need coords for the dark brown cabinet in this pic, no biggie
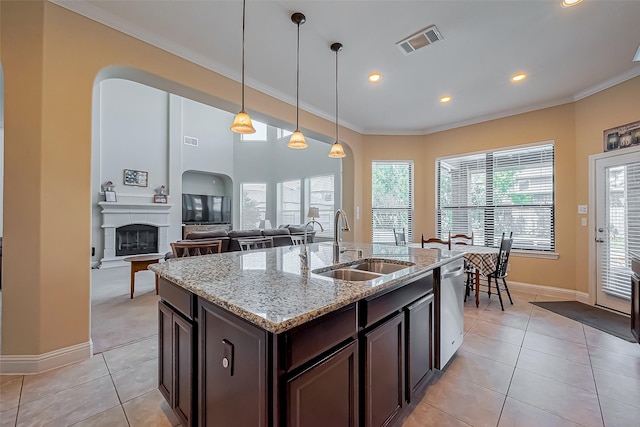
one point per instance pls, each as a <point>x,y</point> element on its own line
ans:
<point>326,394</point>
<point>233,370</point>
<point>635,299</point>
<point>176,364</point>
<point>384,372</point>
<point>419,336</point>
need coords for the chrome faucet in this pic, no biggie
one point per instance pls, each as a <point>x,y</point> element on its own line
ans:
<point>304,255</point>
<point>336,233</point>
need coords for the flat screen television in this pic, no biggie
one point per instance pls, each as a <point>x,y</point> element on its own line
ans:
<point>205,209</point>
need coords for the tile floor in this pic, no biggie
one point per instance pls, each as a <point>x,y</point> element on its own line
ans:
<point>522,367</point>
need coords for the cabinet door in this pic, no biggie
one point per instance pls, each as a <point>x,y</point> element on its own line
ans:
<point>384,372</point>
<point>326,394</point>
<point>233,372</point>
<point>165,351</point>
<point>183,370</point>
<point>419,342</point>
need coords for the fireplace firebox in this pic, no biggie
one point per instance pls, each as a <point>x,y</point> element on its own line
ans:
<point>136,239</point>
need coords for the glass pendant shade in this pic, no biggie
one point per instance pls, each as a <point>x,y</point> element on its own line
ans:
<point>297,140</point>
<point>242,124</point>
<point>337,151</point>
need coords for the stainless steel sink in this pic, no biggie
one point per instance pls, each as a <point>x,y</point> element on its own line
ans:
<point>381,266</point>
<point>349,274</point>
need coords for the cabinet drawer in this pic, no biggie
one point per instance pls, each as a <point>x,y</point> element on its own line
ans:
<point>311,339</point>
<point>180,299</point>
<point>380,306</point>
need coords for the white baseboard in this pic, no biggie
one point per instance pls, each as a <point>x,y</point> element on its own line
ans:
<point>549,291</point>
<point>35,364</point>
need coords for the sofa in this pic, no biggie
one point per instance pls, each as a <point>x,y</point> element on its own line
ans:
<point>280,235</point>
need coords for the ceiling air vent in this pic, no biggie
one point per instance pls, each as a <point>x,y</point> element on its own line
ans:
<point>189,140</point>
<point>419,40</point>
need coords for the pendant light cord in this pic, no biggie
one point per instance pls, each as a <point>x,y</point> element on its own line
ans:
<point>337,140</point>
<point>298,81</point>
<point>244,3</point>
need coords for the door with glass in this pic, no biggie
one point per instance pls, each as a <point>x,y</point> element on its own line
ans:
<point>617,227</point>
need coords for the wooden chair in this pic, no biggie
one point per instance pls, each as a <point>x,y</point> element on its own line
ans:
<point>297,240</point>
<point>461,239</point>
<point>255,243</point>
<point>400,236</point>
<point>501,269</point>
<point>182,249</point>
<point>446,243</point>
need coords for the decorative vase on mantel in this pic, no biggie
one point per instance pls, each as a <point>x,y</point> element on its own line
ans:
<point>109,186</point>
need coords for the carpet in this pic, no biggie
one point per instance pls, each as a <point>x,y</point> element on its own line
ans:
<point>606,321</point>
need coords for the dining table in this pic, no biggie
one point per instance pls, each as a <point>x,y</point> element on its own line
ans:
<point>481,260</point>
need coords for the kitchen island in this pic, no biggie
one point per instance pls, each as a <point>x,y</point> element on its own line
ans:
<point>251,339</point>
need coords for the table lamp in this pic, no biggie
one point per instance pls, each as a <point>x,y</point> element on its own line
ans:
<point>265,224</point>
<point>313,213</point>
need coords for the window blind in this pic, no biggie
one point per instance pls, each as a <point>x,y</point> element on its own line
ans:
<point>392,200</point>
<point>289,196</point>
<point>501,191</point>
<point>254,204</point>
<point>319,193</point>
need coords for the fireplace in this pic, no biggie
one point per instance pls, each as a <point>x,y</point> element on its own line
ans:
<point>136,239</point>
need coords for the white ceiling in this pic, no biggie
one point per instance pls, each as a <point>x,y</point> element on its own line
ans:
<point>568,53</point>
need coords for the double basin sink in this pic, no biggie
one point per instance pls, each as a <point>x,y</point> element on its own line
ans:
<point>363,269</point>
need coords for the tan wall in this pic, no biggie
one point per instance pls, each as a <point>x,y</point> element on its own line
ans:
<point>51,58</point>
<point>613,107</point>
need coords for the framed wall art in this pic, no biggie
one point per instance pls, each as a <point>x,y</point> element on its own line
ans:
<point>137,178</point>
<point>622,136</point>
<point>159,198</point>
<point>110,196</point>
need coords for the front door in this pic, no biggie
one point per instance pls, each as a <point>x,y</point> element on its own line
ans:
<point>617,227</point>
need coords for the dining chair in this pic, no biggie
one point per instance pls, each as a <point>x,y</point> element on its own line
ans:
<point>182,249</point>
<point>297,240</point>
<point>399,235</point>
<point>255,243</point>
<point>461,239</point>
<point>501,270</point>
<point>432,240</point>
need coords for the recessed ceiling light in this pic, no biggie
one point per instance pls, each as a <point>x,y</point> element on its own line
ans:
<point>375,77</point>
<point>445,99</point>
<point>518,77</point>
<point>569,3</point>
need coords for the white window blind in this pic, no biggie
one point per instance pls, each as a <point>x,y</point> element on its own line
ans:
<point>392,200</point>
<point>253,206</point>
<point>622,216</point>
<point>289,195</point>
<point>496,192</point>
<point>319,193</point>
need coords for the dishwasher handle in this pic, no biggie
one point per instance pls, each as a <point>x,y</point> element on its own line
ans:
<point>453,273</point>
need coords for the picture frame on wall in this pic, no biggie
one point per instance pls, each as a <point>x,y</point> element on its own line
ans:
<point>136,178</point>
<point>622,136</point>
<point>159,198</point>
<point>110,196</point>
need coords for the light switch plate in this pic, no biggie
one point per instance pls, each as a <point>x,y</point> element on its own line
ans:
<point>583,222</point>
<point>582,209</point>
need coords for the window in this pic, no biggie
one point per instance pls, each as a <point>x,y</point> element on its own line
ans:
<point>260,134</point>
<point>282,133</point>
<point>253,206</point>
<point>319,193</point>
<point>392,200</point>
<point>289,194</point>
<point>496,192</point>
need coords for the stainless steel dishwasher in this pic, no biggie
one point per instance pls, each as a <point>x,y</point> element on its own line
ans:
<point>451,304</point>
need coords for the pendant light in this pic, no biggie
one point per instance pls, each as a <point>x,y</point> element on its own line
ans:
<point>242,123</point>
<point>337,151</point>
<point>297,140</point>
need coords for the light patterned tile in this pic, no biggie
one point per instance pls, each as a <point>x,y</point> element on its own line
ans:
<point>492,349</point>
<point>466,401</point>
<point>557,368</point>
<point>618,414</point>
<point>516,413</point>
<point>506,318</point>
<point>482,371</point>
<point>5,378</point>
<point>552,329</point>
<point>50,382</point>
<point>10,393</point>
<point>618,363</point>
<point>618,387</point>
<point>71,405</point>
<point>136,380</point>
<point>498,332</point>
<point>8,417</point>
<point>113,417</point>
<point>150,409</point>
<point>425,415</point>
<point>132,354</point>
<point>597,338</point>
<point>556,347</point>
<point>574,404</point>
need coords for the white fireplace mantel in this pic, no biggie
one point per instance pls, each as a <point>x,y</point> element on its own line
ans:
<point>116,215</point>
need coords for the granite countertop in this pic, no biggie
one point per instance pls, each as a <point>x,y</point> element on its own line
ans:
<point>267,288</point>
